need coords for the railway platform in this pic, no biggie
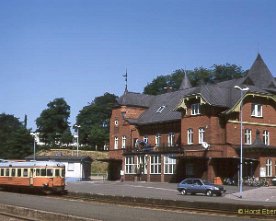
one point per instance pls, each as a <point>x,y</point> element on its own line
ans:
<point>257,202</point>
<point>251,195</point>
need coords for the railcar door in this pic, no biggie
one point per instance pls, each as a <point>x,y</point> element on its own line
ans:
<point>31,177</point>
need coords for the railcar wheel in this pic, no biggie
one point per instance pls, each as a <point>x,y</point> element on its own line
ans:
<point>47,192</point>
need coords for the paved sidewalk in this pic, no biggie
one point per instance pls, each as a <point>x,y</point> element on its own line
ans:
<point>261,194</point>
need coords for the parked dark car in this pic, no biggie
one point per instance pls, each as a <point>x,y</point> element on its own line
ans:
<point>196,185</point>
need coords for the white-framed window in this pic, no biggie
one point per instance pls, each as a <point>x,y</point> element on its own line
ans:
<point>190,136</point>
<point>158,140</point>
<point>155,164</point>
<point>266,137</point>
<point>123,142</point>
<point>170,139</point>
<point>142,164</point>
<point>116,123</point>
<point>116,143</point>
<point>248,136</point>
<point>201,135</point>
<point>268,167</point>
<point>146,139</point>
<point>169,164</point>
<point>256,110</point>
<point>195,109</point>
<point>160,109</point>
<point>129,165</point>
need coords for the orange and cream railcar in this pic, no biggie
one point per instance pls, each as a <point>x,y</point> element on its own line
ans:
<point>45,176</point>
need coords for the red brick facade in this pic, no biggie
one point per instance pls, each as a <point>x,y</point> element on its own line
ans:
<point>177,156</point>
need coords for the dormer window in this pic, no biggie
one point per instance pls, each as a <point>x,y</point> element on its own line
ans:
<point>195,109</point>
<point>256,110</point>
<point>160,109</point>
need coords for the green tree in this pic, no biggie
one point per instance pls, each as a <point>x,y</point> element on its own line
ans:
<point>157,86</point>
<point>163,84</point>
<point>198,76</point>
<point>227,72</point>
<point>66,137</point>
<point>94,121</point>
<point>15,140</point>
<point>53,125</point>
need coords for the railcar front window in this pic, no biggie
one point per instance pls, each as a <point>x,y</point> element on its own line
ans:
<point>57,171</point>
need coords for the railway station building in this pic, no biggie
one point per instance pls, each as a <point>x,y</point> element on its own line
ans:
<point>196,131</point>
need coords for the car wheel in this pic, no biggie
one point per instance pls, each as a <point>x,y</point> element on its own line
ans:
<point>183,192</point>
<point>209,193</point>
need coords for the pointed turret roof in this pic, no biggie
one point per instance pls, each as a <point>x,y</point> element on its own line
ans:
<point>259,75</point>
<point>185,84</point>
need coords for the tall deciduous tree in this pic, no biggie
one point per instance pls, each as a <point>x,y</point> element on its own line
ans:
<point>227,72</point>
<point>15,140</point>
<point>94,121</point>
<point>198,76</point>
<point>53,125</point>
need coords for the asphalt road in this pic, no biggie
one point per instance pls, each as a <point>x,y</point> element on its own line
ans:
<point>106,212</point>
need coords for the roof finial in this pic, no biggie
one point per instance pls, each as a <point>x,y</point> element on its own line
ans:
<point>125,76</point>
<point>185,84</point>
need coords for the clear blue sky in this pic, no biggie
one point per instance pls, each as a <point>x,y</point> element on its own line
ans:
<point>80,49</point>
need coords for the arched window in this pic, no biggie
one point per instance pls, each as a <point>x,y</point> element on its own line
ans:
<point>171,139</point>
<point>266,137</point>
<point>158,140</point>
<point>248,136</point>
<point>116,143</point>
<point>123,142</point>
<point>268,167</point>
<point>190,136</point>
<point>201,135</point>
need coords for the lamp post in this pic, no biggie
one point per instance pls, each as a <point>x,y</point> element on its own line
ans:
<point>242,90</point>
<point>33,135</point>
<point>77,126</point>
